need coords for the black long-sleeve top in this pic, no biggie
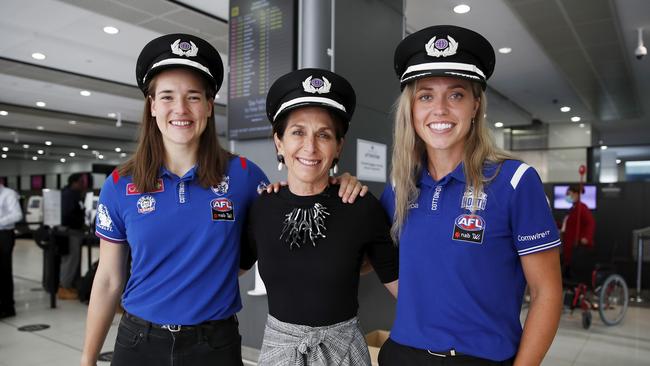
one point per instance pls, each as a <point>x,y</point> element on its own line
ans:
<point>318,285</point>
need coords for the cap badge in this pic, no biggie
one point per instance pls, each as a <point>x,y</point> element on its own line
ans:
<point>184,48</point>
<point>441,47</point>
<point>316,85</point>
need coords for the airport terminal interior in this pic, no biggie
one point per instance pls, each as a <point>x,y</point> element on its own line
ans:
<point>570,96</point>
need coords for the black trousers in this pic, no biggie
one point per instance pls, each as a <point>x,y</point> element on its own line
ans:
<point>213,343</point>
<point>395,354</point>
<point>7,241</point>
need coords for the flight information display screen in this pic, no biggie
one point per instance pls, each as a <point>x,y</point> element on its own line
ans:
<point>262,48</point>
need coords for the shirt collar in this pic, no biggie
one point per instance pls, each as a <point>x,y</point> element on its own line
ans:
<point>190,175</point>
<point>425,178</point>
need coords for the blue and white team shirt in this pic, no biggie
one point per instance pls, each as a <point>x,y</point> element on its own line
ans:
<point>184,241</point>
<point>461,282</point>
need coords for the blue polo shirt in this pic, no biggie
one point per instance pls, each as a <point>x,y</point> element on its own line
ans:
<point>461,280</point>
<point>184,241</point>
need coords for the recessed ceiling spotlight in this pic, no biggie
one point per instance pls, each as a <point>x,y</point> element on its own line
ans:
<point>565,109</point>
<point>34,158</point>
<point>112,115</point>
<point>40,152</point>
<point>3,113</point>
<point>117,149</point>
<point>123,155</point>
<point>111,30</point>
<point>25,146</point>
<point>461,9</point>
<point>604,147</point>
<point>100,156</point>
<point>48,143</point>
<point>4,156</point>
<point>498,124</point>
<point>38,56</point>
<point>72,154</point>
<point>618,161</point>
<point>5,149</point>
<point>85,93</point>
<point>40,128</point>
<point>582,125</point>
<point>72,122</point>
<point>62,160</point>
<point>40,104</point>
<point>84,146</point>
<point>575,119</point>
<point>588,132</point>
<point>505,50</point>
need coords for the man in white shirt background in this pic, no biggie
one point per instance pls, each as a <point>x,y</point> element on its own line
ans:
<point>10,213</point>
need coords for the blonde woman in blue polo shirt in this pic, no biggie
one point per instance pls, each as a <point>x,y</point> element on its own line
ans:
<point>472,223</point>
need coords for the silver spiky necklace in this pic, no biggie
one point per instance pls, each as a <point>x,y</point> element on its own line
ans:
<point>303,225</point>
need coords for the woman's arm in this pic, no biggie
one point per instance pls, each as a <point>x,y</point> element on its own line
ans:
<point>350,188</point>
<point>105,295</point>
<point>392,287</point>
<point>542,271</point>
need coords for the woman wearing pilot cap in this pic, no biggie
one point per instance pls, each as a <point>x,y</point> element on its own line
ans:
<point>472,223</point>
<point>309,244</point>
<point>177,205</point>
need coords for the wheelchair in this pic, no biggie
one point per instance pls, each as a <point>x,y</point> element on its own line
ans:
<point>604,291</point>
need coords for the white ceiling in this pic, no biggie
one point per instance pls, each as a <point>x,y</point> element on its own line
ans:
<point>565,52</point>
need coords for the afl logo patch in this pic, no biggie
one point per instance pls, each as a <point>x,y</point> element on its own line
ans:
<point>146,204</point>
<point>222,209</point>
<point>469,228</point>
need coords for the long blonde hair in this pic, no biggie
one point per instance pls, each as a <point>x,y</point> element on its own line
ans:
<point>409,151</point>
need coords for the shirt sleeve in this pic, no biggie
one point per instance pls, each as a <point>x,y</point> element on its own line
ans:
<point>588,225</point>
<point>13,211</point>
<point>109,223</point>
<point>533,227</point>
<point>247,245</point>
<point>383,254</point>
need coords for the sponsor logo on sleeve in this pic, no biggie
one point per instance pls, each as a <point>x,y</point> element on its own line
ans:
<point>262,186</point>
<point>222,209</point>
<point>533,237</point>
<point>131,189</point>
<point>469,228</point>
<point>146,204</point>
<point>103,220</point>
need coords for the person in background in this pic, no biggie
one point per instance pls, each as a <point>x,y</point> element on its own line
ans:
<point>472,223</point>
<point>10,214</point>
<point>72,218</point>
<point>310,245</point>
<point>578,227</point>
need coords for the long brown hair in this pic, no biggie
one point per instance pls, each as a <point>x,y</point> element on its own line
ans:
<point>144,165</point>
<point>409,149</point>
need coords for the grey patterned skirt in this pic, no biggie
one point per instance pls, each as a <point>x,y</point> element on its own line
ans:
<point>286,344</point>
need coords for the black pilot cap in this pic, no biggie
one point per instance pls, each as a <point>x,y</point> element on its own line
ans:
<point>311,87</point>
<point>444,50</point>
<point>178,50</point>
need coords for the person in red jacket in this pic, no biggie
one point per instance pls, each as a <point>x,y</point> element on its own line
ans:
<point>578,226</point>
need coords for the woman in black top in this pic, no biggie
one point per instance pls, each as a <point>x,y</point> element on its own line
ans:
<point>309,244</point>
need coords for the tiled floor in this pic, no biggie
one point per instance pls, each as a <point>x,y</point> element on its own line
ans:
<point>627,344</point>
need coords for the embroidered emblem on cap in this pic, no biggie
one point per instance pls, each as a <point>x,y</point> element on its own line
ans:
<point>221,188</point>
<point>146,204</point>
<point>441,47</point>
<point>316,85</point>
<point>104,221</point>
<point>184,48</point>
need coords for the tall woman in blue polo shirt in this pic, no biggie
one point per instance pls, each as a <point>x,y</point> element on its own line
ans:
<point>473,224</point>
<point>178,205</point>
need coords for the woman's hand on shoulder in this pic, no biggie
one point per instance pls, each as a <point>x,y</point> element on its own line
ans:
<point>350,188</point>
<point>274,187</point>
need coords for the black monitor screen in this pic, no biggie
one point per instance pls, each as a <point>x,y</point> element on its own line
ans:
<point>560,202</point>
